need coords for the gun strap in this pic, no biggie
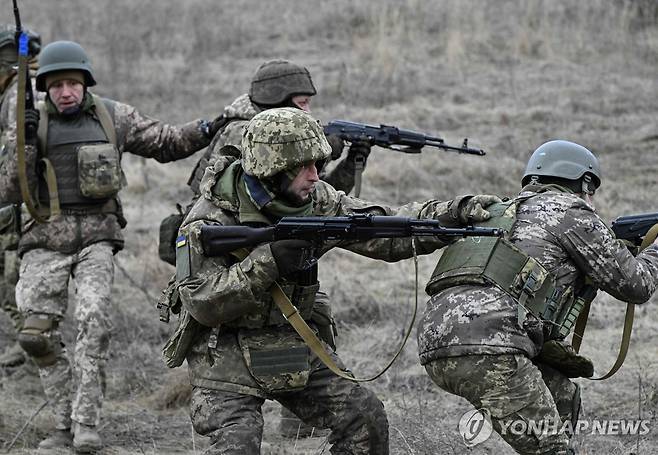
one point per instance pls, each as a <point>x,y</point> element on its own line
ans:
<point>359,166</point>
<point>291,314</point>
<point>20,141</point>
<point>579,331</point>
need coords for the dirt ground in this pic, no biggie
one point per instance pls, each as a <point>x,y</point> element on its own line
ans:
<point>509,75</point>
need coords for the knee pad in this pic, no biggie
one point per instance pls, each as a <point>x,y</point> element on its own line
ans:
<point>35,339</point>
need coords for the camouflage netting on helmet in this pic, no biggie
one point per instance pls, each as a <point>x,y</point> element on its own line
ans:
<point>282,139</point>
<point>277,80</point>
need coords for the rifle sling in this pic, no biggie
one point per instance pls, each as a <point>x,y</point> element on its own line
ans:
<point>303,330</point>
<point>579,331</point>
<point>359,166</point>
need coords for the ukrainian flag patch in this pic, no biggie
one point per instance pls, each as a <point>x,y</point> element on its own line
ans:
<point>181,240</point>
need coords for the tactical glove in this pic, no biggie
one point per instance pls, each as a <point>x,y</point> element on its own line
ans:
<point>359,149</point>
<point>562,356</point>
<point>31,126</point>
<point>337,145</point>
<point>472,209</point>
<point>291,255</point>
<point>209,129</point>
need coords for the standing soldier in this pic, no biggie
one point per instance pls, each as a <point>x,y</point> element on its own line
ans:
<point>239,348</point>
<point>500,310</point>
<point>10,213</point>
<point>81,137</point>
<point>278,83</point>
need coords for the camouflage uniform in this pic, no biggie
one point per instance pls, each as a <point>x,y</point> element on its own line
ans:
<point>81,245</point>
<point>470,339</point>
<point>229,320</point>
<point>228,142</point>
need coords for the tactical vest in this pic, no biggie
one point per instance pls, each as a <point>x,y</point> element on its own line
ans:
<point>496,261</point>
<point>61,141</point>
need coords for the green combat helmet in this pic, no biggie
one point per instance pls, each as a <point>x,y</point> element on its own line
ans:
<point>60,56</point>
<point>563,160</point>
<point>281,139</point>
<point>277,80</point>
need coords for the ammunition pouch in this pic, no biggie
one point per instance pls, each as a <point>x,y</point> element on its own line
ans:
<point>99,170</point>
<point>35,339</point>
<point>562,357</point>
<point>177,346</point>
<point>277,359</point>
<point>168,233</point>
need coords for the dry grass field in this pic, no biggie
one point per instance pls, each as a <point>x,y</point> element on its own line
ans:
<point>507,74</point>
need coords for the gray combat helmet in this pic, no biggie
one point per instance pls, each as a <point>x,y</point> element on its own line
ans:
<point>276,81</point>
<point>282,139</point>
<point>62,56</point>
<point>564,160</point>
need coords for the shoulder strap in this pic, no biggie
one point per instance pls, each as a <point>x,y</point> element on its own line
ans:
<point>105,119</point>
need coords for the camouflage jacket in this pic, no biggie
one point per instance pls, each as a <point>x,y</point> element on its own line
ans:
<point>233,295</point>
<point>228,142</point>
<point>136,133</point>
<point>570,240</point>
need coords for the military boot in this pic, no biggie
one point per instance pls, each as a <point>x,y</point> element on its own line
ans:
<point>58,440</point>
<point>12,356</point>
<point>86,438</point>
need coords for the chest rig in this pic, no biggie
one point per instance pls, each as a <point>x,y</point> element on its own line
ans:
<point>82,164</point>
<point>486,261</point>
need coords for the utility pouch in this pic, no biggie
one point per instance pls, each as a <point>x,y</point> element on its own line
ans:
<point>168,233</point>
<point>278,359</point>
<point>561,356</point>
<point>99,171</point>
<point>303,297</point>
<point>177,346</point>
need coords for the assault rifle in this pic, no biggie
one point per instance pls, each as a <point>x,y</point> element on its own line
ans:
<point>220,240</point>
<point>393,138</point>
<point>634,227</point>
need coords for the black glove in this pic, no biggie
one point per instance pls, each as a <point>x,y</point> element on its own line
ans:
<point>31,126</point>
<point>291,255</point>
<point>337,144</point>
<point>359,149</point>
<point>211,128</point>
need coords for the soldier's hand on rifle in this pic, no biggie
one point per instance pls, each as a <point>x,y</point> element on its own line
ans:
<point>337,144</point>
<point>31,126</point>
<point>291,255</point>
<point>359,149</point>
<point>473,209</point>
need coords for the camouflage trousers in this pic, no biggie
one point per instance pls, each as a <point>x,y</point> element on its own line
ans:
<point>74,390</point>
<point>511,388</point>
<point>354,414</point>
<point>8,277</point>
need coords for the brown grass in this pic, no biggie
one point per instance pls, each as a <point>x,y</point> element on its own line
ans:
<point>509,75</point>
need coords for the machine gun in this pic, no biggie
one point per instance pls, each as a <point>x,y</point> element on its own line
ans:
<point>634,228</point>
<point>219,240</point>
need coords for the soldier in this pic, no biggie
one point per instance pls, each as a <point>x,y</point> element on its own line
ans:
<point>494,328</point>
<point>278,83</point>
<point>239,348</point>
<point>10,213</point>
<point>82,136</point>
